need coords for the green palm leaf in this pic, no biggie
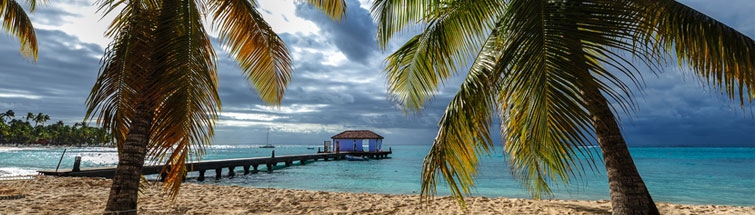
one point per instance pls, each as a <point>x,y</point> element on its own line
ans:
<point>552,67</point>
<point>717,53</point>
<point>417,69</point>
<point>464,128</point>
<point>395,15</point>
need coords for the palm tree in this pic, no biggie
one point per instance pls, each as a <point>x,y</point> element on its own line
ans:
<point>548,70</point>
<point>41,118</point>
<point>17,23</point>
<point>157,88</point>
<point>7,115</point>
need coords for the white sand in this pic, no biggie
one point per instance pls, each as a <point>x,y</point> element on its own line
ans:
<point>51,195</point>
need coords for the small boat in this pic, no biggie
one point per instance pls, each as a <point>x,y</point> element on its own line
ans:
<point>267,141</point>
<point>356,158</point>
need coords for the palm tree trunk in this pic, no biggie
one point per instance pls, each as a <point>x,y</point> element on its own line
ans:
<point>629,195</point>
<point>125,189</point>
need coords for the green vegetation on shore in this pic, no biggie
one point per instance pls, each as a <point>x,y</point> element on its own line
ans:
<point>31,129</point>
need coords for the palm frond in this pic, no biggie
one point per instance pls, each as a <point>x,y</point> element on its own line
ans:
<point>187,90</point>
<point>463,131</point>
<point>562,49</point>
<point>394,15</point>
<point>125,67</point>
<point>335,9</point>
<point>18,24</point>
<point>717,53</point>
<point>262,55</point>
<point>417,69</point>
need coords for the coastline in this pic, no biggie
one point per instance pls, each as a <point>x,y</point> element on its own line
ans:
<point>53,195</point>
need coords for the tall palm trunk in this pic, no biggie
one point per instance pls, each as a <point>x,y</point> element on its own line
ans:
<point>629,195</point>
<point>125,189</point>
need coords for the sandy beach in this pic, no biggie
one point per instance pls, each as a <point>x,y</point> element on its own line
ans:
<point>52,195</point>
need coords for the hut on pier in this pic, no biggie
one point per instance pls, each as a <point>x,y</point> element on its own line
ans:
<point>356,140</point>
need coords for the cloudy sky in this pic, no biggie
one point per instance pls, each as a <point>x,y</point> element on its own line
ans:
<point>338,84</point>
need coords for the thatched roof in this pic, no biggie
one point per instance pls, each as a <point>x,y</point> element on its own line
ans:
<point>357,134</point>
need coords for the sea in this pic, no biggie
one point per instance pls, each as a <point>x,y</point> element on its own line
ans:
<point>691,175</point>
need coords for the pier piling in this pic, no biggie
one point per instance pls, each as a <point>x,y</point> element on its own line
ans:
<point>77,164</point>
<point>201,175</point>
<point>231,172</point>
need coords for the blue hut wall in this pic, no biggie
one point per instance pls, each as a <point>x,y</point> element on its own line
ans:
<point>348,144</point>
<point>375,145</point>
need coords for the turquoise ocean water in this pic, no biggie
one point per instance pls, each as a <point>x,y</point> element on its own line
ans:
<point>724,176</point>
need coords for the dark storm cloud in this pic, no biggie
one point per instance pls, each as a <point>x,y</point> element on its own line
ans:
<point>354,35</point>
<point>676,109</point>
<point>57,84</point>
<point>346,95</point>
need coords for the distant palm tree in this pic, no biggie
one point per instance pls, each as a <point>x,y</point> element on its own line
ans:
<point>549,69</point>
<point>41,118</point>
<point>30,116</point>
<point>7,115</point>
<point>17,23</point>
<point>157,87</point>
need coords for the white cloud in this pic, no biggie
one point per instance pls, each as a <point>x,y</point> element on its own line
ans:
<point>82,21</point>
<point>250,116</point>
<point>9,93</point>
<point>280,15</point>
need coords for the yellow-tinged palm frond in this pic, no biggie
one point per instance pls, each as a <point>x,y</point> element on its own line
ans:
<point>125,70</point>
<point>187,90</point>
<point>393,16</point>
<point>719,54</point>
<point>453,34</point>
<point>463,131</point>
<point>335,9</point>
<point>262,55</point>
<point>18,24</point>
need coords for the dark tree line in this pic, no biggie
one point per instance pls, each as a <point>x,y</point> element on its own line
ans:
<point>31,129</point>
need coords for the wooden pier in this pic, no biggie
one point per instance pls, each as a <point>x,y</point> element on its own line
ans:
<point>250,165</point>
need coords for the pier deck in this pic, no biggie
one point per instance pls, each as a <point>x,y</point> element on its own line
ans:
<point>250,165</point>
